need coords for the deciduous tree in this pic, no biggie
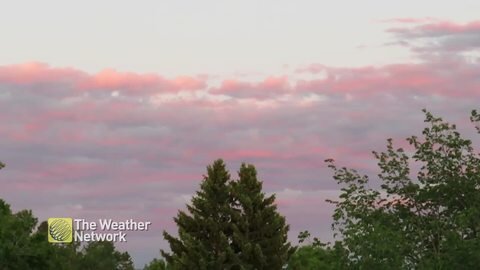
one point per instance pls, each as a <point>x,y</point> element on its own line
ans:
<point>424,210</point>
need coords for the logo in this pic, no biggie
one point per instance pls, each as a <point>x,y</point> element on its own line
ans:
<point>60,230</point>
<point>68,230</point>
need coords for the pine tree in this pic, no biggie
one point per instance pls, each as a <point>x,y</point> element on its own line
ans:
<point>204,233</point>
<point>229,225</point>
<point>260,232</point>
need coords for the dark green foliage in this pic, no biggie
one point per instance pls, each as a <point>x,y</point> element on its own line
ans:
<point>55,256</point>
<point>103,256</point>
<point>430,221</point>
<point>316,255</point>
<point>260,232</point>
<point>230,225</point>
<point>23,247</point>
<point>205,233</point>
<point>16,249</point>
<point>313,257</point>
<point>157,264</point>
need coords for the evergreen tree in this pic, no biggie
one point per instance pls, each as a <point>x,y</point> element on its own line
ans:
<point>260,232</point>
<point>229,225</point>
<point>204,233</point>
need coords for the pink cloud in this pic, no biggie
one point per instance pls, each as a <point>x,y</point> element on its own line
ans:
<point>447,28</point>
<point>268,88</point>
<point>401,80</point>
<point>140,84</point>
<point>438,36</point>
<point>72,147</point>
<point>128,83</point>
<point>36,73</point>
<point>246,154</point>
<point>113,80</point>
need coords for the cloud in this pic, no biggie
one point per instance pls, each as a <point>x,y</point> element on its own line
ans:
<point>441,78</point>
<point>74,148</point>
<point>430,35</point>
<point>270,87</point>
<point>125,83</point>
<point>426,28</point>
<point>129,83</point>
<point>38,73</point>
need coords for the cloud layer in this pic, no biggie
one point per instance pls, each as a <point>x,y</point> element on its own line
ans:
<point>121,145</point>
<point>433,36</point>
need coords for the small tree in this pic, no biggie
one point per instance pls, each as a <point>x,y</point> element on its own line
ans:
<point>431,221</point>
<point>260,232</point>
<point>204,233</point>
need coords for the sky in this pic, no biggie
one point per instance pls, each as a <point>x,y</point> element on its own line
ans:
<point>113,109</point>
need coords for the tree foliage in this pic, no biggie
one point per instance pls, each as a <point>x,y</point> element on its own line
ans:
<point>25,246</point>
<point>259,231</point>
<point>157,264</point>
<point>426,212</point>
<point>16,247</point>
<point>229,225</point>
<point>103,256</point>
<point>314,254</point>
<point>205,232</point>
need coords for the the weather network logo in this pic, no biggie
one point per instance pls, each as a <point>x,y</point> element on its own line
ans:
<point>60,230</point>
